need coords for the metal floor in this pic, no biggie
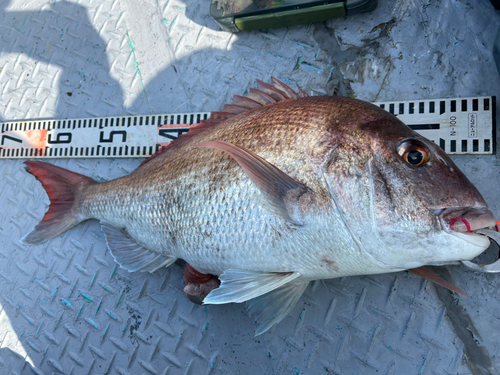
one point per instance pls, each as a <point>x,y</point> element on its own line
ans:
<point>65,307</point>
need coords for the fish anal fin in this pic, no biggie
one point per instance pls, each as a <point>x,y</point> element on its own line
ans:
<point>272,307</point>
<point>282,192</point>
<point>240,286</point>
<point>129,254</point>
<point>427,274</point>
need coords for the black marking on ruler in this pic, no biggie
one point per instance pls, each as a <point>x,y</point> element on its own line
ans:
<point>494,122</point>
<point>165,132</point>
<point>487,145</point>
<point>425,126</point>
<point>61,138</point>
<point>442,144</point>
<point>475,105</point>
<point>4,137</point>
<point>110,139</point>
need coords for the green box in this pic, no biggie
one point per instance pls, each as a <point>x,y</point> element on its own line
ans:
<point>242,15</point>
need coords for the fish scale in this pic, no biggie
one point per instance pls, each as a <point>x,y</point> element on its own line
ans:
<point>276,196</point>
<point>243,245</point>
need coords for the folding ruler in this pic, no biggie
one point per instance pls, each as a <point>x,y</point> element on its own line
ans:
<point>458,126</point>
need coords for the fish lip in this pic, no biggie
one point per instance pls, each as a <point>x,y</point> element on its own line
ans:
<point>473,238</point>
<point>465,220</point>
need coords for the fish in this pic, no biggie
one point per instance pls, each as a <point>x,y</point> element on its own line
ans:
<point>274,191</point>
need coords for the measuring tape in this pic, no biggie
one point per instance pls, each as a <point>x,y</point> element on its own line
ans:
<point>458,126</point>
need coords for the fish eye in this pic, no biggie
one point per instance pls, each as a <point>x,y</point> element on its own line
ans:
<point>414,152</point>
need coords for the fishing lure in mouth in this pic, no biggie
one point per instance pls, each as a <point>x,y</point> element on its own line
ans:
<point>494,236</point>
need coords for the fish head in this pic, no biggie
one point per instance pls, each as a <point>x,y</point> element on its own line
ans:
<point>401,197</point>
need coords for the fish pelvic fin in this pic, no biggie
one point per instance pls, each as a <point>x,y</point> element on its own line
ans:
<point>62,187</point>
<point>240,286</point>
<point>272,307</point>
<point>264,94</point>
<point>427,274</point>
<point>281,191</point>
<point>129,254</point>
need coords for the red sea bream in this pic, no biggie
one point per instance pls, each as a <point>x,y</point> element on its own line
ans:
<point>276,190</point>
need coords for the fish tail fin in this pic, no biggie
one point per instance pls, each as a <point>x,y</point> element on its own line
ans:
<point>62,187</point>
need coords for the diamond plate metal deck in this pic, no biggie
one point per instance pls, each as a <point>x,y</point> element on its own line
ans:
<point>65,305</point>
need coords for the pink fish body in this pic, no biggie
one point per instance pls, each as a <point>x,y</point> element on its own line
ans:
<point>277,190</point>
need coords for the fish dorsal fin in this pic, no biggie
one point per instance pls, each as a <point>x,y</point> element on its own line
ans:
<point>263,95</point>
<point>129,254</point>
<point>272,307</point>
<point>281,191</point>
<point>427,274</point>
<point>240,286</point>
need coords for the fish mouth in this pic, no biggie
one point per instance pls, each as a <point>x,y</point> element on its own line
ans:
<point>465,220</point>
<point>471,224</point>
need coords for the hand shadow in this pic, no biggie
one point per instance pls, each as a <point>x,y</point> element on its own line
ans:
<point>50,36</point>
<point>13,363</point>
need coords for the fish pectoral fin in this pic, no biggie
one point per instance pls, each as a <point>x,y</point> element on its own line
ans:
<point>427,274</point>
<point>129,254</point>
<point>240,286</point>
<point>272,307</point>
<point>281,191</point>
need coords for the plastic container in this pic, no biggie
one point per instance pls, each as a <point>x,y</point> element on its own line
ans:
<point>242,15</point>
